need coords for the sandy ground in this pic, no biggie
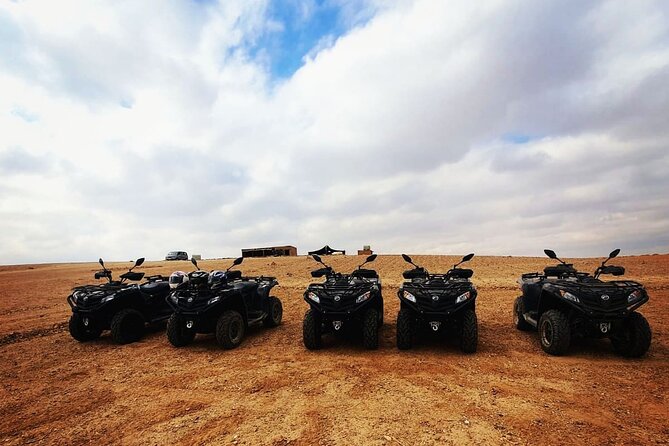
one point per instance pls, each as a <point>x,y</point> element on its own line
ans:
<point>272,390</point>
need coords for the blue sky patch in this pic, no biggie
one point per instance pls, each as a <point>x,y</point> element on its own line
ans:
<point>517,138</point>
<point>300,26</point>
<point>24,114</point>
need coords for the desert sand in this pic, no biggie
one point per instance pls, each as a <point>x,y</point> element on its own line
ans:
<point>271,390</point>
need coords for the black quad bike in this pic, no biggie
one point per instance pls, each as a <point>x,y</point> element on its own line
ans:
<point>343,302</point>
<point>118,306</point>
<point>564,304</point>
<point>220,302</point>
<point>438,301</point>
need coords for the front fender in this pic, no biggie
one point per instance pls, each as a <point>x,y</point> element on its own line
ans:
<point>550,297</point>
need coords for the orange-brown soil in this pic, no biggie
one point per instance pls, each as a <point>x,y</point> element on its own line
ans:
<point>271,390</point>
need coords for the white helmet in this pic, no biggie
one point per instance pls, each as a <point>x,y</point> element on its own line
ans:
<point>178,278</point>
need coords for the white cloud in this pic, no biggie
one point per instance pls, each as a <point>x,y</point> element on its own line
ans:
<point>150,127</point>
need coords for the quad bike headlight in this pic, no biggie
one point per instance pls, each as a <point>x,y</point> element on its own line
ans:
<point>408,296</point>
<point>363,297</point>
<point>567,295</point>
<point>463,297</point>
<point>634,296</point>
<point>314,297</point>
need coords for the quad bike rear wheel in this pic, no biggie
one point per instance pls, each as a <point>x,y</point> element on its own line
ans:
<point>405,329</point>
<point>230,329</point>
<point>127,326</point>
<point>80,331</point>
<point>469,331</point>
<point>274,313</point>
<point>554,332</point>
<point>178,333</point>
<point>370,329</point>
<point>634,339</point>
<point>311,330</point>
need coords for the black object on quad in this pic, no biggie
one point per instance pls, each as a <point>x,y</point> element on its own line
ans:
<point>220,302</point>
<point>118,306</point>
<point>564,304</point>
<point>344,301</point>
<point>438,301</point>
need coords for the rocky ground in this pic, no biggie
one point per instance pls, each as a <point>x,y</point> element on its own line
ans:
<point>272,391</point>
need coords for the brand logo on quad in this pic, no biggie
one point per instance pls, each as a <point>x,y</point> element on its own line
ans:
<point>605,297</point>
<point>435,298</point>
<point>337,298</point>
<point>190,299</point>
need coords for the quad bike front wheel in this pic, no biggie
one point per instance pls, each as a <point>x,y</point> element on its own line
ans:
<point>178,333</point>
<point>633,341</point>
<point>469,331</point>
<point>311,330</point>
<point>554,332</point>
<point>405,329</point>
<point>518,315</point>
<point>274,313</point>
<point>230,329</point>
<point>81,331</point>
<point>370,329</point>
<point>127,326</point>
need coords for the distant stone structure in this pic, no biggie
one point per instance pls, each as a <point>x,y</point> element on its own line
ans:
<point>365,251</point>
<point>327,251</point>
<point>271,251</point>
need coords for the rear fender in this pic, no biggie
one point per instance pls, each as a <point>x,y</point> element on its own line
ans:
<point>266,291</point>
<point>472,300</point>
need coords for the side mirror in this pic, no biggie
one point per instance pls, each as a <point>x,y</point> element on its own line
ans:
<point>550,253</point>
<point>371,258</point>
<point>467,258</point>
<point>317,258</point>
<point>139,261</point>
<point>407,258</point>
<point>194,262</point>
<point>614,253</point>
<point>238,261</point>
<point>101,262</point>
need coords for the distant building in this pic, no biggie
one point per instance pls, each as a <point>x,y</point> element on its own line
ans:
<point>365,251</point>
<point>271,251</point>
<point>327,251</point>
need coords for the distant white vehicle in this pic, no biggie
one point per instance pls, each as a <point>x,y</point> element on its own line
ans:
<point>177,255</point>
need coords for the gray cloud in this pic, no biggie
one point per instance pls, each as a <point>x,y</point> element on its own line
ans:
<point>16,160</point>
<point>158,133</point>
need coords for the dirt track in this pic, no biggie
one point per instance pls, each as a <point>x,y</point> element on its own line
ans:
<point>273,391</point>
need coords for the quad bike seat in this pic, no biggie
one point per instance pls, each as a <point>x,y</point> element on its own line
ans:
<point>246,287</point>
<point>559,270</point>
<point>366,273</point>
<point>461,273</point>
<point>154,288</point>
<point>233,275</point>
<point>414,273</point>
<point>131,275</point>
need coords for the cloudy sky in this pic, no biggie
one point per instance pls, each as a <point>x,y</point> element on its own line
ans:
<point>133,128</point>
